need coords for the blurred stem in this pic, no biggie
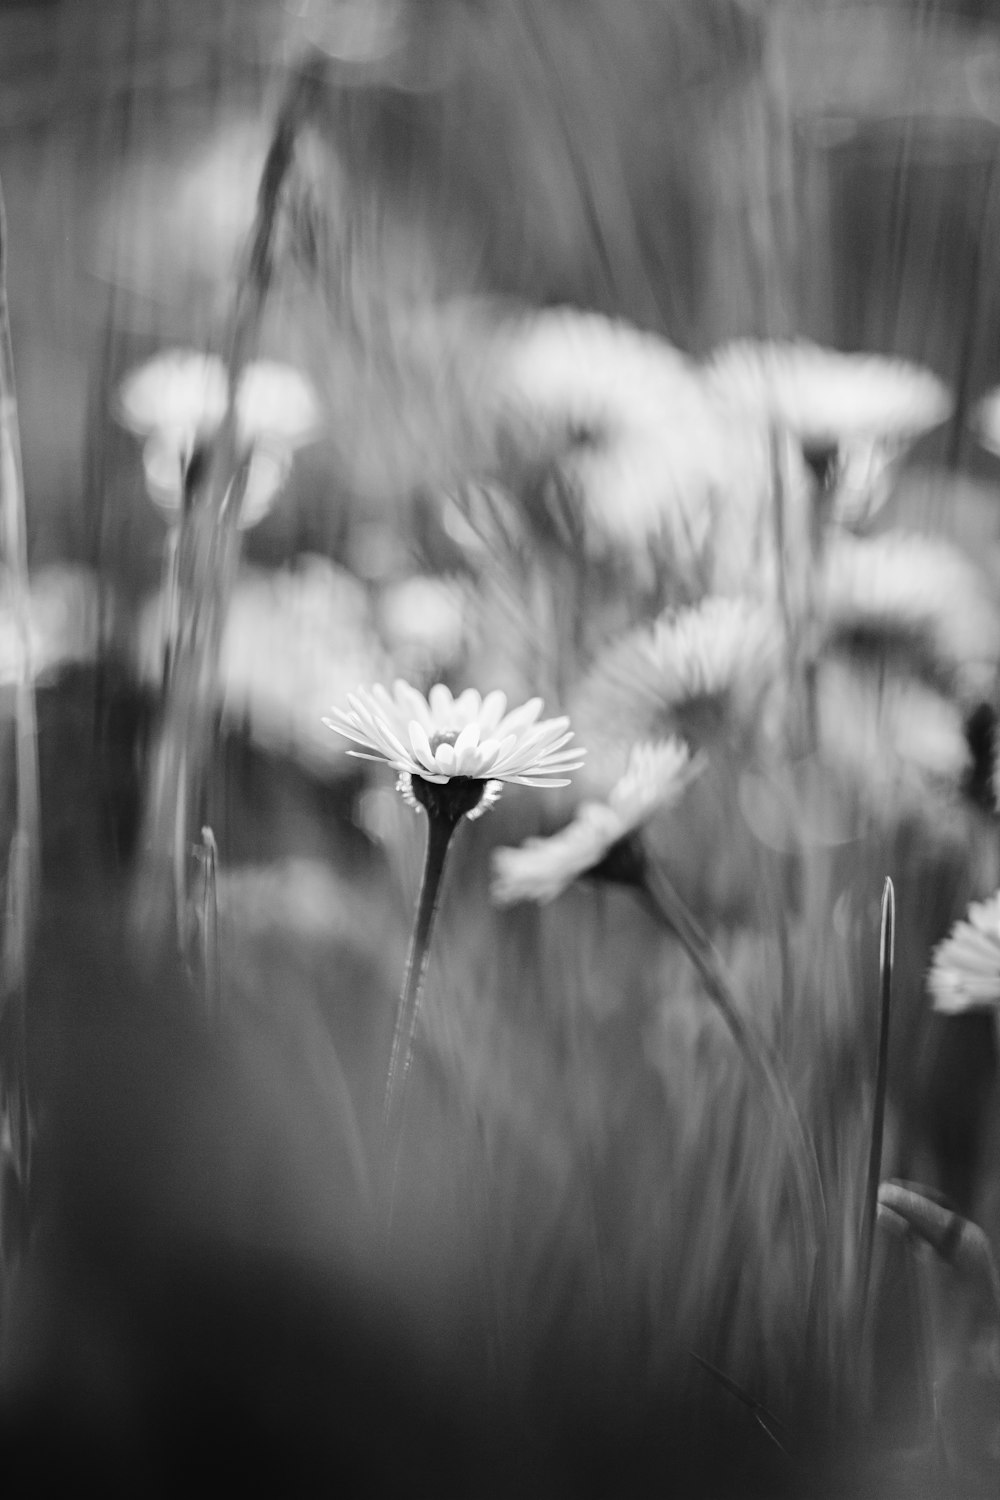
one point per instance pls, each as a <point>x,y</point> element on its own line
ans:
<point>24,862</point>
<point>886,955</point>
<point>208,549</point>
<point>440,828</point>
<point>671,910</point>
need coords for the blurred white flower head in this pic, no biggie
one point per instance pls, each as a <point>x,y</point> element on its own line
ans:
<point>853,415</point>
<point>179,399</point>
<point>704,672</point>
<point>825,397</point>
<point>901,584</point>
<point>542,868</point>
<point>627,421</point>
<point>63,624</point>
<point>291,637</point>
<point>441,738</point>
<point>424,622</point>
<point>897,744</point>
<point>965,969</point>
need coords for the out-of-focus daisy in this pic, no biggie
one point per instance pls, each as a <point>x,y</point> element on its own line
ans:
<point>63,624</point>
<point>853,414</point>
<point>965,969</point>
<point>826,397</point>
<point>627,422</point>
<point>542,868</point>
<point>424,622</point>
<point>178,400</point>
<point>917,591</point>
<point>702,672</point>
<point>290,638</point>
<point>469,739</point>
<point>896,743</point>
<point>985,420</point>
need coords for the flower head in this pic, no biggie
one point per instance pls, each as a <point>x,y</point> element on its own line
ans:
<point>700,671</point>
<point>542,868</point>
<point>62,620</point>
<point>965,969</point>
<point>900,586</point>
<point>900,745</point>
<point>985,420</point>
<point>442,739</point>
<point>826,397</point>
<point>627,423</point>
<point>179,399</point>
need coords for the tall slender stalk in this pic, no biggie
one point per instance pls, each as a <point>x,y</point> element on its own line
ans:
<point>208,548</point>
<point>672,911</point>
<point>887,936</point>
<point>24,856</point>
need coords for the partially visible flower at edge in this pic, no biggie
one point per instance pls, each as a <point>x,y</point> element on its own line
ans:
<point>542,868</point>
<point>446,741</point>
<point>965,968</point>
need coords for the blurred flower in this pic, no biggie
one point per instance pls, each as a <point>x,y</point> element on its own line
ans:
<point>291,636</point>
<point>627,421</point>
<point>853,414</point>
<point>424,622</point>
<point>898,744</point>
<point>914,590</point>
<point>542,868</point>
<point>441,739</point>
<point>985,420</point>
<point>703,671</point>
<point>62,619</point>
<point>826,397</point>
<point>965,969</point>
<point>179,399</point>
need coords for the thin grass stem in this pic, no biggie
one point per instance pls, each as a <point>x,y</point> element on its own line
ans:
<point>671,910</point>
<point>887,935</point>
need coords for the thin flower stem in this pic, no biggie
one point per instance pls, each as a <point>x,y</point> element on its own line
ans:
<point>672,911</point>
<point>439,833</point>
<point>887,943</point>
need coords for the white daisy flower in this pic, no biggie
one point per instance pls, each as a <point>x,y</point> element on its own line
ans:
<point>918,588</point>
<point>703,671</point>
<point>965,969</point>
<point>628,422</point>
<point>899,745</point>
<point>179,398</point>
<point>441,738</point>
<point>542,868</point>
<point>826,397</point>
